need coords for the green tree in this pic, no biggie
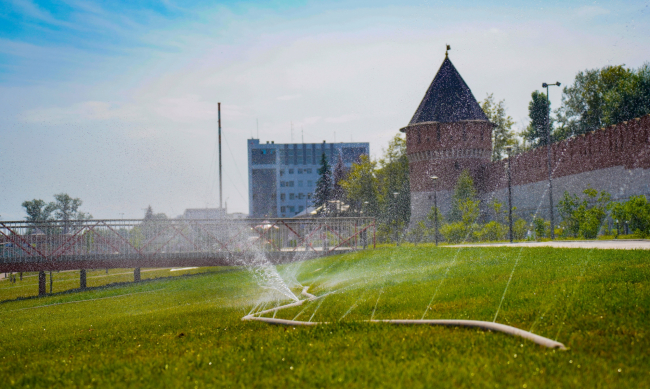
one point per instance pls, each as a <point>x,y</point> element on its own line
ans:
<point>567,208</point>
<point>593,212</point>
<point>150,216</point>
<point>603,97</point>
<point>635,212</point>
<point>539,225</point>
<point>463,191</point>
<point>323,191</point>
<point>463,230</point>
<point>393,177</point>
<point>502,134</point>
<point>66,209</point>
<point>538,112</point>
<point>338,175</point>
<point>584,218</point>
<point>38,210</point>
<point>361,186</point>
<point>630,98</point>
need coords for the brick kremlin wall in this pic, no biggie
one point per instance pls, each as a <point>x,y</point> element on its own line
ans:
<point>615,159</point>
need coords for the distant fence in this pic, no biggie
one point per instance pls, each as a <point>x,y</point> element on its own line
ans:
<point>87,244</point>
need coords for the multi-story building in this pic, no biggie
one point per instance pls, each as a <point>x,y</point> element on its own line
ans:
<point>282,177</point>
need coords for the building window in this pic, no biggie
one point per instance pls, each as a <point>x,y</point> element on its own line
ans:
<point>281,172</point>
<point>299,171</point>
<point>419,136</point>
<point>301,196</point>
<point>290,171</point>
<point>292,196</point>
<point>283,209</point>
<point>282,183</point>
<point>292,209</point>
<point>299,183</point>
<point>310,183</point>
<point>291,184</point>
<point>456,165</point>
<point>464,132</point>
<point>309,196</point>
<point>283,196</point>
<point>262,156</point>
<point>308,171</point>
<point>301,208</point>
<point>438,132</point>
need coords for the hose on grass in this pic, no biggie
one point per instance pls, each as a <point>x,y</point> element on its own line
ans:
<point>484,325</point>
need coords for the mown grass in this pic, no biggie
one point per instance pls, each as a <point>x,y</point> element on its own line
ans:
<point>187,331</point>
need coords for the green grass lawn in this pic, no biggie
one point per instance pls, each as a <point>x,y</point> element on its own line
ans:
<point>187,331</point>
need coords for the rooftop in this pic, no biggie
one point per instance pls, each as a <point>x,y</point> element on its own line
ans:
<point>448,99</point>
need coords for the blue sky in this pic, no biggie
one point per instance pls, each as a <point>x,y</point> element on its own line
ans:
<point>115,102</point>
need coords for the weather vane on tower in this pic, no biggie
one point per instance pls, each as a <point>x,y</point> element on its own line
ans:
<point>447,51</point>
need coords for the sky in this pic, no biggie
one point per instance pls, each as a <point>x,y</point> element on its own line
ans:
<point>115,102</point>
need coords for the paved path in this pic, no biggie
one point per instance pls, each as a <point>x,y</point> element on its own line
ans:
<point>627,244</point>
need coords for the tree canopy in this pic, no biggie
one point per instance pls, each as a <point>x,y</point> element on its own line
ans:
<point>323,191</point>
<point>393,177</point>
<point>38,210</point>
<point>337,177</point>
<point>502,134</point>
<point>538,112</point>
<point>361,186</point>
<point>603,97</point>
<point>463,191</point>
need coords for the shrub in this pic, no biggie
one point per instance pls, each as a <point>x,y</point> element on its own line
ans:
<point>539,225</point>
<point>520,229</point>
<point>636,212</point>
<point>492,231</point>
<point>455,232</point>
<point>584,218</point>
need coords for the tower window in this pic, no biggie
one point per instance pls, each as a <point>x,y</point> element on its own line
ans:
<point>456,165</point>
<point>419,136</point>
<point>464,132</point>
<point>438,132</point>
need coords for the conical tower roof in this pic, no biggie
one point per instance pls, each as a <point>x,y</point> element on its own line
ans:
<point>448,99</point>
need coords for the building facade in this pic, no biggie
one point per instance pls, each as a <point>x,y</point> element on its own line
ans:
<point>450,133</point>
<point>282,177</point>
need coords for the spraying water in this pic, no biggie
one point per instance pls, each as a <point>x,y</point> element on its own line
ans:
<point>265,274</point>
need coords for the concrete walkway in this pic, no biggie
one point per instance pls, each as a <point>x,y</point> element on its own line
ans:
<point>627,244</point>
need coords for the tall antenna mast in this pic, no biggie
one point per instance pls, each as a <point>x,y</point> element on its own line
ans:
<point>220,181</point>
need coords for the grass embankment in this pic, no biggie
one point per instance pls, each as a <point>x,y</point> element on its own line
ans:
<point>187,332</point>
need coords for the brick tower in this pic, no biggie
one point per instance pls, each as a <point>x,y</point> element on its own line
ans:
<point>448,133</point>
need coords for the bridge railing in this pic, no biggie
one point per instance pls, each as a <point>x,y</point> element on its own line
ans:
<point>105,239</point>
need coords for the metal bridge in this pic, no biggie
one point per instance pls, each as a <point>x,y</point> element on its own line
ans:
<point>105,244</point>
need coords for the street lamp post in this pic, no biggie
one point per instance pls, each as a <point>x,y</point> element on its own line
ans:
<point>395,194</point>
<point>435,208</point>
<point>508,149</point>
<point>548,149</point>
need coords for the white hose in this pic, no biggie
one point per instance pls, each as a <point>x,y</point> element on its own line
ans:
<point>308,295</point>
<point>485,325</point>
